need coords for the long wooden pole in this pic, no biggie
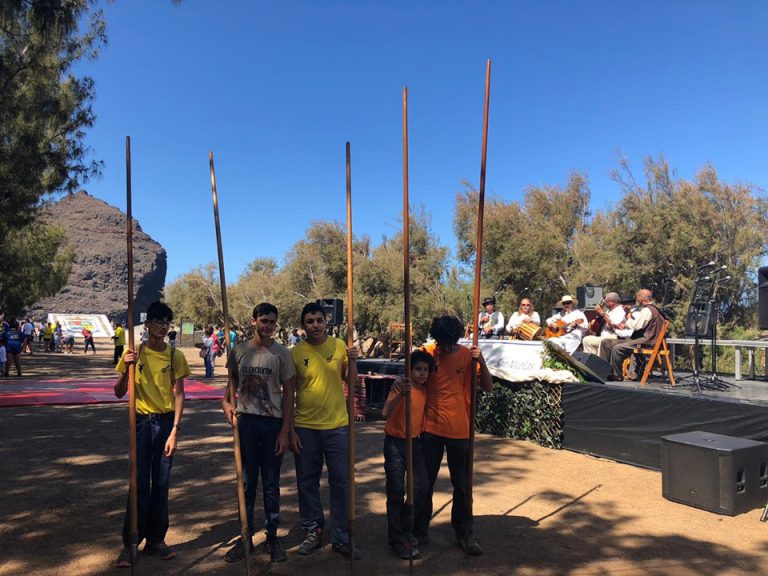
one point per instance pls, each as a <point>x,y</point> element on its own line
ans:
<point>230,394</point>
<point>352,365</point>
<point>407,321</point>
<point>132,480</point>
<point>478,271</point>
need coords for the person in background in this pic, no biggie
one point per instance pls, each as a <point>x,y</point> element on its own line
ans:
<point>208,352</point>
<point>119,340</point>
<point>490,321</point>
<point>13,347</point>
<point>88,337</point>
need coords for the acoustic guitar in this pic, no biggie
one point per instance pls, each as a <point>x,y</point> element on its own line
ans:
<point>560,330</point>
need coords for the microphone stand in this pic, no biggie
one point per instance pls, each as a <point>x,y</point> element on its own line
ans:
<point>713,380</point>
<point>695,377</point>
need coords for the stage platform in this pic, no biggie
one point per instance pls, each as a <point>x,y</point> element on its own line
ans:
<point>625,422</point>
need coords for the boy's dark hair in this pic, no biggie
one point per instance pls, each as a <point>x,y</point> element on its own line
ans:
<point>311,308</point>
<point>264,308</point>
<point>159,311</point>
<point>446,330</point>
<point>419,356</point>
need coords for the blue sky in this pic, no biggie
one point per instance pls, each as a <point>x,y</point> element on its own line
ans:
<point>275,89</point>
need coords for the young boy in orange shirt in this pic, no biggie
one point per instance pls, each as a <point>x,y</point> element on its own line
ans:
<point>399,515</point>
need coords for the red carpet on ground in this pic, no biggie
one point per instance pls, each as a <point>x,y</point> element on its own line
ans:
<point>23,392</point>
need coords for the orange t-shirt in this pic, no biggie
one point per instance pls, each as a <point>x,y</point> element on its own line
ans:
<point>449,391</point>
<point>396,421</point>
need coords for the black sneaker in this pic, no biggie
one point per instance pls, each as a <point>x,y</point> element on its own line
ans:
<point>124,559</point>
<point>405,550</point>
<point>421,539</point>
<point>346,550</point>
<point>160,549</point>
<point>275,550</point>
<point>235,554</point>
<point>470,545</point>
<point>312,542</point>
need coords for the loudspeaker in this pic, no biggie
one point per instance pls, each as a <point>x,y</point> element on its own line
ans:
<point>589,296</point>
<point>762,297</point>
<point>597,365</point>
<point>722,474</point>
<point>334,310</point>
<point>704,321</point>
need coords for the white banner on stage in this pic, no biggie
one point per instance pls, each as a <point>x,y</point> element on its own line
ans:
<point>518,361</point>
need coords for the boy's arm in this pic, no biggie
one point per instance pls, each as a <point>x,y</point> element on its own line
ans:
<point>230,408</point>
<point>486,380</point>
<point>121,386</point>
<point>284,437</point>
<point>396,394</point>
<point>178,410</point>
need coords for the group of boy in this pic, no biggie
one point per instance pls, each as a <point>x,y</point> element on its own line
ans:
<point>293,399</point>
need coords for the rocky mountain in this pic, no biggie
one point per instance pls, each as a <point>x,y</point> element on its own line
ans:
<point>98,282</point>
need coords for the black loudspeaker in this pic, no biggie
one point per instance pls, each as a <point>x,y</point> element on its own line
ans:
<point>589,296</point>
<point>597,365</point>
<point>334,310</point>
<point>722,474</point>
<point>704,320</point>
<point>762,296</point>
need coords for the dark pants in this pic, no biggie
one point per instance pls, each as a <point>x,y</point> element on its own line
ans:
<point>258,435</point>
<point>208,361</point>
<point>118,353</point>
<point>153,473</point>
<point>458,466</point>
<point>333,447</point>
<point>400,515</point>
<point>89,342</point>
<point>616,351</point>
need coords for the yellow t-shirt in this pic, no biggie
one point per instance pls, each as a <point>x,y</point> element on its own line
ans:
<point>320,400</point>
<point>154,388</point>
<point>119,336</point>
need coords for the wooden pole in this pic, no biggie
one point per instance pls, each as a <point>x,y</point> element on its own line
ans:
<point>478,271</point>
<point>352,365</point>
<point>230,393</point>
<point>132,480</point>
<point>407,321</point>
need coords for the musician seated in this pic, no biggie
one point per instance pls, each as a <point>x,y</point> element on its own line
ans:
<point>612,317</point>
<point>646,323</point>
<point>567,327</point>
<point>490,321</point>
<point>525,315</point>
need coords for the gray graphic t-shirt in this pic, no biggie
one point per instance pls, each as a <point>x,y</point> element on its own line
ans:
<point>261,373</point>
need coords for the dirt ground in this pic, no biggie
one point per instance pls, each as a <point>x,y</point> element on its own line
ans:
<point>537,511</point>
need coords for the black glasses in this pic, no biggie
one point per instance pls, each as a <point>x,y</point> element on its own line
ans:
<point>160,322</point>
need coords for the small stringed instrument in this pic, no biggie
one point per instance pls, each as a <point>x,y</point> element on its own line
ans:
<point>560,330</point>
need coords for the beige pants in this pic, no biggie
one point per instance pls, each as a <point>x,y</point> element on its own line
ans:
<point>591,344</point>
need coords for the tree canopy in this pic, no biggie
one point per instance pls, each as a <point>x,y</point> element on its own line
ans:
<point>44,112</point>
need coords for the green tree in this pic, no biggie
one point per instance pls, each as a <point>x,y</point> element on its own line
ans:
<point>662,229</point>
<point>526,245</point>
<point>196,296</point>
<point>44,112</point>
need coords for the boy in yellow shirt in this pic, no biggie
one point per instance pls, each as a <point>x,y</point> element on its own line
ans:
<point>159,388</point>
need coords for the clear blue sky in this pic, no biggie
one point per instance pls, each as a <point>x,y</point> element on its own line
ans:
<point>275,89</point>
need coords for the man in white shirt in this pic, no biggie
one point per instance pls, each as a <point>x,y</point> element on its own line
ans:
<point>524,314</point>
<point>614,318</point>
<point>570,319</point>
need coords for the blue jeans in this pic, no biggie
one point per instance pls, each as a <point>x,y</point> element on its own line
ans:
<point>458,466</point>
<point>153,474</point>
<point>208,365</point>
<point>258,435</point>
<point>89,342</point>
<point>399,516</point>
<point>333,447</point>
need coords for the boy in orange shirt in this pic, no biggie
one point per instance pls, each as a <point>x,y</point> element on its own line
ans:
<point>446,426</point>
<point>398,514</point>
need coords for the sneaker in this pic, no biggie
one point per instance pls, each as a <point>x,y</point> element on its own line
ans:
<point>470,545</point>
<point>421,540</point>
<point>275,550</point>
<point>160,549</point>
<point>124,560</point>
<point>346,550</point>
<point>235,554</point>
<point>405,550</point>
<point>312,542</point>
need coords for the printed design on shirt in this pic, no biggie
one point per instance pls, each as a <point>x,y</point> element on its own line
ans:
<point>254,387</point>
<point>329,359</point>
<point>460,369</point>
<point>306,362</point>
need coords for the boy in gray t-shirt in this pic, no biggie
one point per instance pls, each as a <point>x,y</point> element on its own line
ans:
<point>262,374</point>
